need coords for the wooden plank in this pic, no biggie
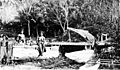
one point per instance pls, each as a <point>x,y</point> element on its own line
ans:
<point>104,62</point>
<point>70,43</point>
<point>25,46</point>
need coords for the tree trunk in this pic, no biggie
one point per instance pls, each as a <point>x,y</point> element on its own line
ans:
<point>69,31</point>
<point>28,28</point>
<point>69,37</point>
<point>37,31</point>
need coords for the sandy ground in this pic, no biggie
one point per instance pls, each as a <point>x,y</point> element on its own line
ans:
<point>87,67</point>
<point>51,52</point>
<point>80,56</point>
<point>83,56</point>
<point>20,67</point>
<point>32,52</point>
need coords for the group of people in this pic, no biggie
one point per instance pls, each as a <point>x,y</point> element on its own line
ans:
<point>40,42</point>
<point>20,38</point>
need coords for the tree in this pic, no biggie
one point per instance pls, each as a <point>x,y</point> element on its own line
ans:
<point>102,15</point>
<point>8,12</point>
<point>31,11</point>
<point>60,12</point>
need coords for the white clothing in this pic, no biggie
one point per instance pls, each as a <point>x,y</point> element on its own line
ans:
<point>22,36</point>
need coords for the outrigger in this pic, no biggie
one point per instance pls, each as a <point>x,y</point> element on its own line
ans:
<point>90,43</point>
<point>64,47</point>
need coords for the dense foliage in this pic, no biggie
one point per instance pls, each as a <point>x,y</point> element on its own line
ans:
<point>53,16</point>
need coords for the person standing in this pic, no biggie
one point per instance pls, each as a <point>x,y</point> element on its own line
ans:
<point>41,44</point>
<point>22,36</point>
<point>4,49</point>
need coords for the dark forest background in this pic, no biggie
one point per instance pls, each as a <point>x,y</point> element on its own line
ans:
<point>54,16</point>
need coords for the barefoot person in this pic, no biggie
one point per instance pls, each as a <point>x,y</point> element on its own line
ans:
<point>4,47</point>
<point>41,44</point>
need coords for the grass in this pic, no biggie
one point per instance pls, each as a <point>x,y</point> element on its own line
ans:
<point>51,63</point>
